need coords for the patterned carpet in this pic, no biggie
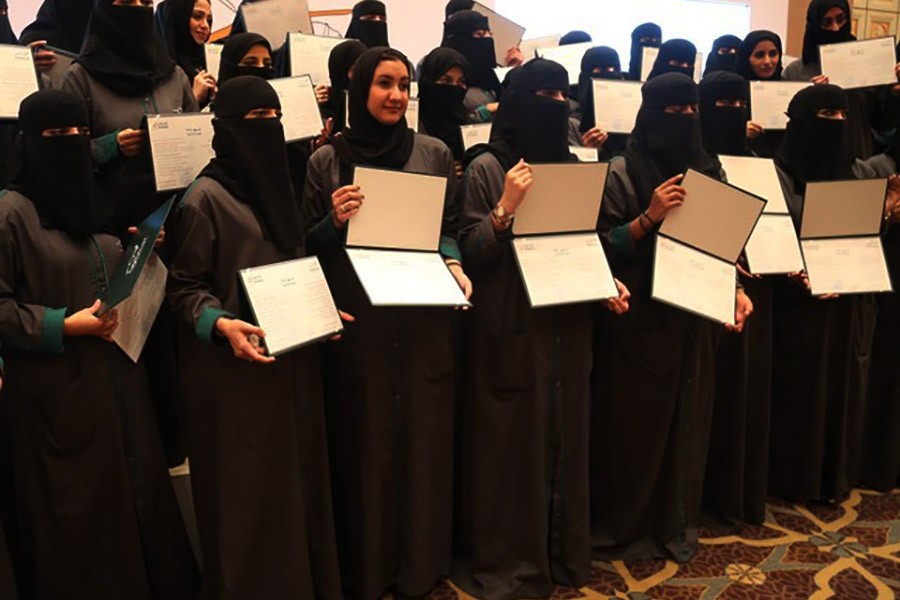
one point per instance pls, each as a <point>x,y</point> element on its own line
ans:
<point>850,551</point>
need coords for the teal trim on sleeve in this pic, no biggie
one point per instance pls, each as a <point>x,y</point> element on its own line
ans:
<point>450,248</point>
<point>106,149</point>
<point>483,113</point>
<point>52,330</point>
<point>620,239</point>
<point>206,322</point>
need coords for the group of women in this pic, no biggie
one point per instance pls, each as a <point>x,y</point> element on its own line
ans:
<point>503,447</point>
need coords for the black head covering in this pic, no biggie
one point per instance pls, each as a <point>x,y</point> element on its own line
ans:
<point>251,159</point>
<point>370,33</point>
<point>813,148</point>
<point>479,52</point>
<point>603,58</point>
<point>575,37</point>
<point>368,142</point>
<point>124,50</point>
<point>678,50</point>
<point>62,23</point>
<point>645,30</point>
<point>341,59</point>
<point>815,36</point>
<point>57,173</point>
<point>724,127</point>
<point>442,109</point>
<point>181,45</point>
<point>666,144</point>
<point>7,35</point>
<point>746,49</point>
<point>529,126</point>
<point>233,53</point>
<point>723,62</point>
<point>454,6</point>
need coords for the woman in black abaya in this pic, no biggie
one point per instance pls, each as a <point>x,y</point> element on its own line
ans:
<point>601,62</point>
<point>675,56</point>
<point>340,68</point>
<point>723,56</point>
<point>368,24</point>
<point>469,33</point>
<point>442,92</point>
<point>646,35</point>
<point>759,59</point>
<point>186,28</point>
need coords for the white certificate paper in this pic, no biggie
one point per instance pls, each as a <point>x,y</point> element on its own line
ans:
<point>299,108</point>
<point>769,101</point>
<point>181,145</point>
<point>412,114</point>
<point>564,269</point>
<point>309,55</point>
<point>531,46</point>
<point>19,79</point>
<point>213,58</point>
<point>846,266</point>
<point>773,247</point>
<point>292,303</point>
<point>860,64</point>
<point>479,133</point>
<point>616,104</point>
<point>274,19</point>
<point>694,281</point>
<point>397,278</point>
<point>585,154</point>
<point>757,176</point>
<point>137,313</point>
<point>568,56</point>
<point>502,72</point>
<point>507,34</point>
<point>649,58</point>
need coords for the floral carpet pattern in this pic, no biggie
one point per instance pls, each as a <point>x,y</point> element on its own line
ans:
<point>846,551</point>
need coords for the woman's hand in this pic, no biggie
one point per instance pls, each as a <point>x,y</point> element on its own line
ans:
<point>204,85</point>
<point>345,204</point>
<point>465,284</point>
<point>458,169</point>
<point>160,238</point>
<point>244,339</point>
<point>492,107</point>
<point>131,141</point>
<point>619,305</point>
<point>892,203</point>
<point>820,79</point>
<point>666,197</point>
<point>514,57</point>
<point>754,130</point>
<point>519,180</point>
<point>86,322</point>
<point>325,134</point>
<point>346,318</point>
<point>44,59</point>
<point>743,308</point>
<point>594,138</point>
<point>322,93</point>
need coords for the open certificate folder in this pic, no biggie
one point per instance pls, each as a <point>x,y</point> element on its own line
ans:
<point>853,65</point>
<point>291,302</point>
<point>773,248</point>
<point>840,237</point>
<point>393,241</point>
<point>698,245</point>
<point>299,108</point>
<point>18,81</point>
<point>556,244</point>
<point>181,145</point>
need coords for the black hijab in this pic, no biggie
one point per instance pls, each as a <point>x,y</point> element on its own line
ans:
<point>666,144</point>
<point>442,109</point>
<point>370,33</point>
<point>368,142</point>
<point>677,50</point>
<point>724,127</point>
<point>251,160</point>
<point>646,30</point>
<point>233,53</point>
<point>815,36</point>
<point>748,47</point>
<point>458,35</point>
<point>454,6</point>
<point>124,50</point>
<point>575,37</point>
<point>723,62</point>
<point>528,126</point>
<point>813,148</point>
<point>341,59</point>
<point>603,58</point>
<point>189,55</point>
<point>7,35</point>
<point>62,23</point>
<point>57,173</point>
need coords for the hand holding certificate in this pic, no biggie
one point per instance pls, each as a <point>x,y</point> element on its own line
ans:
<point>181,145</point>
<point>479,133</point>
<point>18,81</point>
<point>299,108</point>
<point>860,64</point>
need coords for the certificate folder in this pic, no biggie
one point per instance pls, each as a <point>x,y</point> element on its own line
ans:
<point>299,108</point>
<point>291,302</point>
<point>616,104</point>
<point>769,102</point>
<point>556,246</point>
<point>840,238</point>
<point>507,34</point>
<point>309,55</point>
<point>180,146</point>
<point>865,63</point>
<point>568,56</point>
<point>19,79</point>
<point>393,241</point>
<point>274,19</point>
<point>700,242</point>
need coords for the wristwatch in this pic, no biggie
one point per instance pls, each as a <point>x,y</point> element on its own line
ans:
<point>503,217</point>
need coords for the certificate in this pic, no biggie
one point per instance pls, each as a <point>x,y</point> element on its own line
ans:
<point>502,72</point>
<point>213,54</point>
<point>843,208</point>
<point>299,108</point>
<point>648,59</point>
<point>19,79</point>
<point>507,34</point>
<point>694,281</point>
<point>564,269</point>
<point>568,56</point>
<point>564,198</point>
<point>64,60</point>
<point>309,55</point>
<point>758,177</point>
<point>846,266</point>
<point>769,101</point>
<point>472,135</point>
<point>395,278</point>
<point>274,19</point>
<point>585,154</point>
<point>860,64</point>
<point>291,302</point>
<point>531,46</point>
<point>773,247</point>
<point>616,104</point>
<point>401,210</point>
<point>138,313</point>
<point>412,114</point>
<point>181,145</point>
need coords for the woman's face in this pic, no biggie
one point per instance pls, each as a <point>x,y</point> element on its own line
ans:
<point>257,56</point>
<point>482,33</point>
<point>263,113</point>
<point>681,64</point>
<point>201,21</point>
<point>731,103</point>
<point>834,19</point>
<point>552,94</point>
<point>454,76</point>
<point>389,92</point>
<point>764,59</point>
<point>682,109</point>
<point>138,3</point>
<point>65,131</point>
<point>372,18</point>
<point>832,114</point>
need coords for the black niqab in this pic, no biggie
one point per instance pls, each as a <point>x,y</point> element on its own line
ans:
<point>234,51</point>
<point>370,33</point>
<point>681,51</point>
<point>442,109</point>
<point>603,58</point>
<point>645,30</point>
<point>723,62</point>
<point>340,61</point>
<point>724,127</point>
<point>575,37</point>
<point>182,47</point>
<point>124,50</point>
<point>7,35</point>
<point>251,159</point>
<point>57,173</point>
<point>61,23</point>
<point>748,47</point>
<point>815,36</point>
<point>454,6</point>
<point>459,35</point>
